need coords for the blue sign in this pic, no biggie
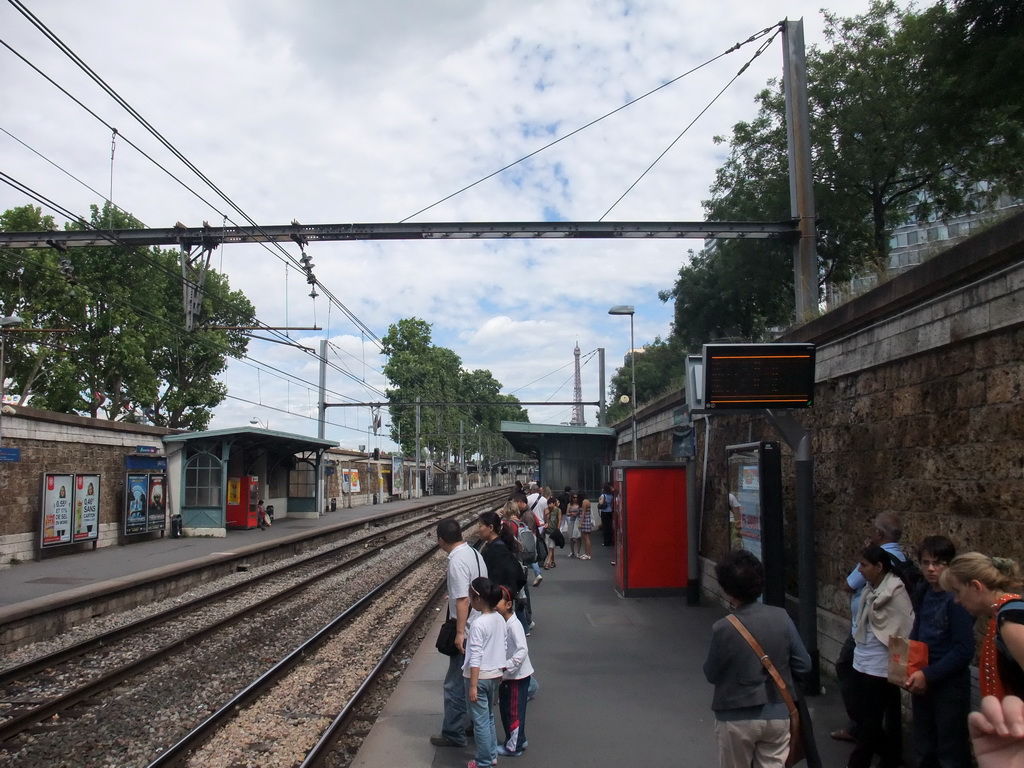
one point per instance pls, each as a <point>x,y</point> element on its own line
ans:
<point>10,454</point>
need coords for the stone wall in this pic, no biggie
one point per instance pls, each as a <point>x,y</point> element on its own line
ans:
<point>917,411</point>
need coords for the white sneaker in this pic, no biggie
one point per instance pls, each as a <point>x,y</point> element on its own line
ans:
<point>584,557</point>
<point>538,580</point>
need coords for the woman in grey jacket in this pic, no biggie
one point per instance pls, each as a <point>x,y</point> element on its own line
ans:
<point>751,717</point>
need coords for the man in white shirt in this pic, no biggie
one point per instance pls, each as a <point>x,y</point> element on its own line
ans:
<point>464,565</point>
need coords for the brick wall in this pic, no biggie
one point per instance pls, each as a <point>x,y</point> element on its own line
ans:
<point>61,443</point>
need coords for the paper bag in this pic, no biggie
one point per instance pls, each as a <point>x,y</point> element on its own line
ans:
<point>905,658</point>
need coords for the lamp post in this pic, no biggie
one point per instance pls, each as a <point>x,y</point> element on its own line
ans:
<point>627,309</point>
<point>257,423</point>
<point>4,322</point>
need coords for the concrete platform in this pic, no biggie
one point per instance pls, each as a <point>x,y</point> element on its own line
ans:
<point>621,685</point>
<point>59,578</point>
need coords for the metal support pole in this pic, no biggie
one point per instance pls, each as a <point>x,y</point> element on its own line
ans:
<point>419,489</point>
<point>602,421</point>
<point>801,180</point>
<point>799,439</point>
<point>321,428</point>
<point>632,366</point>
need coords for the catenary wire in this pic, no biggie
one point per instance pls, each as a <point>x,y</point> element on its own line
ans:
<point>572,133</point>
<point>700,114</point>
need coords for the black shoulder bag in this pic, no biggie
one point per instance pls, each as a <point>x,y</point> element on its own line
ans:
<point>446,636</point>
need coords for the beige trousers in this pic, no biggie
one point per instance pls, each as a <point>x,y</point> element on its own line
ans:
<point>752,743</point>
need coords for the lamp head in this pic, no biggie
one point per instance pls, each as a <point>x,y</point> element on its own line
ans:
<point>622,309</point>
<point>10,320</point>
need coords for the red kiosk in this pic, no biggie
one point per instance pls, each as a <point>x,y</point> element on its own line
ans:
<point>651,528</point>
<point>243,496</point>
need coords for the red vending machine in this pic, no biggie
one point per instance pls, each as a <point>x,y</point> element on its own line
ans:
<point>243,494</point>
<point>651,528</point>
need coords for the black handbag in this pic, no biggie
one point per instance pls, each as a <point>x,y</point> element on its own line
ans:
<point>446,635</point>
<point>446,638</point>
<point>557,538</point>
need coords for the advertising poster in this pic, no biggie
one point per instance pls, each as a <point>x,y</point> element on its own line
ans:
<point>58,495</point>
<point>397,476</point>
<point>86,523</point>
<point>136,493</point>
<point>353,478</point>
<point>156,515</point>
<point>745,502</point>
<point>346,481</point>
<point>234,490</point>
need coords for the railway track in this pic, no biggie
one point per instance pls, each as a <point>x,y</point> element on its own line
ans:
<point>179,667</point>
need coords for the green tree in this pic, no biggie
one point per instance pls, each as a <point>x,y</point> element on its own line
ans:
<point>660,370</point>
<point>418,368</point>
<point>892,140</point>
<point>126,354</point>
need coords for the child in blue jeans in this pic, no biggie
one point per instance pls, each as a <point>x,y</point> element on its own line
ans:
<point>513,692</point>
<point>485,660</point>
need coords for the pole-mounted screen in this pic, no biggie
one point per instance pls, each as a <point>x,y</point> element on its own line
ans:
<point>752,376</point>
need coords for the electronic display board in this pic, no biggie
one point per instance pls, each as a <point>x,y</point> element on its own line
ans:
<point>752,376</point>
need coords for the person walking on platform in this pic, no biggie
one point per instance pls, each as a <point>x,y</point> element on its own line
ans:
<point>552,526</point>
<point>532,516</point>
<point>886,533</point>
<point>464,565</point>
<point>941,691</point>
<point>606,506</point>
<point>751,713</point>
<point>572,517</point>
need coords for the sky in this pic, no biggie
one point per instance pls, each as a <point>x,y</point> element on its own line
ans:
<point>335,111</point>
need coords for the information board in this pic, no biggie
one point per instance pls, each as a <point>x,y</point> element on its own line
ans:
<point>753,376</point>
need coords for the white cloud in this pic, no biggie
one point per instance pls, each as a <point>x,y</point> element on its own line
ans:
<point>368,112</point>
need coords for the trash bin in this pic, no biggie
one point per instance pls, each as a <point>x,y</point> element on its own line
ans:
<point>334,504</point>
<point>176,525</point>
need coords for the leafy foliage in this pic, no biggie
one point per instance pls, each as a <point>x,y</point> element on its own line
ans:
<point>125,354</point>
<point>418,368</point>
<point>900,131</point>
<point>660,369</point>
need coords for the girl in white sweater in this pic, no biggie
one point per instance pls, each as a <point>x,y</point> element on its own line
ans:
<point>485,660</point>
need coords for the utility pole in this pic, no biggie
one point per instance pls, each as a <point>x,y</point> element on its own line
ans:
<point>419,489</point>
<point>801,180</point>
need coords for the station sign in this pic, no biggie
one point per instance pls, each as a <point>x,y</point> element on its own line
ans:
<point>10,454</point>
<point>755,376</point>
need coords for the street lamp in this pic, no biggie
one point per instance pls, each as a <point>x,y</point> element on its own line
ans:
<point>257,423</point>
<point>627,309</point>
<point>4,322</point>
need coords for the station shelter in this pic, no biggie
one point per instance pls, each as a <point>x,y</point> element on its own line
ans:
<point>579,457</point>
<point>224,473</point>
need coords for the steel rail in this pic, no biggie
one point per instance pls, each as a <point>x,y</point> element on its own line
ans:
<point>30,717</point>
<point>15,673</point>
<point>318,754</point>
<point>176,754</point>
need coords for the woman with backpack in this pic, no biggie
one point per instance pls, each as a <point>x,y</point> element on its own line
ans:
<point>501,555</point>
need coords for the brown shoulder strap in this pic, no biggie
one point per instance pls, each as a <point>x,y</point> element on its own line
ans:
<point>763,657</point>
